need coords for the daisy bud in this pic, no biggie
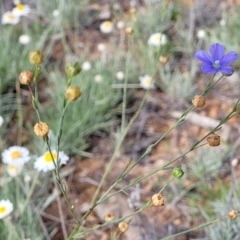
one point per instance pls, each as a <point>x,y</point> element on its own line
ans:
<point>72,69</point>
<point>123,226</point>
<point>157,200</point>
<point>128,30</point>
<point>109,217</point>
<point>233,214</point>
<point>213,140</point>
<point>36,57</point>
<point>73,93</point>
<point>26,77</point>
<point>198,101</point>
<point>41,129</point>
<point>177,172</point>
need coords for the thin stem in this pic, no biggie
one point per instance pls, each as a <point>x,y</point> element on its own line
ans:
<point>60,183</point>
<point>109,166</point>
<point>62,220</point>
<point>30,192</point>
<point>195,228</point>
<point>20,114</point>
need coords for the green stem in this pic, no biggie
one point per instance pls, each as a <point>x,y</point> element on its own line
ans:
<point>195,228</point>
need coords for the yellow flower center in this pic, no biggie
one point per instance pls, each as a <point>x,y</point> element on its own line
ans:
<point>148,81</point>
<point>49,158</point>
<point>108,24</point>
<point>157,37</point>
<point>3,209</point>
<point>15,154</point>
<point>10,16</point>
<point>11,167</point>
<point>20,7</point>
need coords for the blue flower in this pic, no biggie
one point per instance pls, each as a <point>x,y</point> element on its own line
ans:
<point>216,61</point>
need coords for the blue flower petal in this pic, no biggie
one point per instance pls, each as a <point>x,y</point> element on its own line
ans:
<point>216,51</point>
<point>226,70</point>
<point>229,58</point>
<point>204,57</point>
<point>206,68</point>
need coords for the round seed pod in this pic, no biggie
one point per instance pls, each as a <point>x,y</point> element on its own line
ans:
<point>123,226</point>
<point>73,93</point>
<point>129,31</point>
<point>157,200</point>
<point>163,60</point>
<point>109,217</point>
<point>26,77</point>
<point>36,57</point>
<point>41,129</point>
<point>213,140</point>
<point>133,10</point>
<point>232,214</point>
<point>177,172</point>
<point>198,101</point>
<point>72,69</point>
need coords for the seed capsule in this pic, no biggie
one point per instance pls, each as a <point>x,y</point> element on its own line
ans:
<point>232,214</point>
<point>72,69</point>
<point>198,101</point>
<point>41,129</point>
<point>73,93</point>
<point>177,172</point>
<point>109,217</point>
<point>157,200</point>
<point>129,31</point>
<point>213,140</point>
<point>123,226</point>
<point>36,57</point>
<point>26,77</point>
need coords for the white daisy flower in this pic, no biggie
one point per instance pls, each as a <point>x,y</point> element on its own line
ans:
<point>201,34</point>
<point>106,27</point>
<point>16,156</point>
<point>86,66</point>
<point>101,47</point>
<point>24,39</point>
<point>157,39</point>
<point>10,18</point>
<point>120,25</point>
<point>56,13</point>
<point>14,171</point>
<point>6,207</point>
<point>120,75</point>
<point>146,82</point>
<point>45,162</point>
<point>222,23</point>
<point>27,178</point>
<point>98,78</point>
<point>21,10</point>
<point>1,120</point>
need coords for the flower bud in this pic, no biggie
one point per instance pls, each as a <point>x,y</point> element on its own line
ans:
<point>26,77</point>
<point>177,172</point>
<point>72,69</point>
<point>213,140</point>
<point>36,57</point>
<point>129,31</point>
<point>123,226</point>
<point>73,93</point>
<point>232,214</point>
<point>41,129</point>
<point>198,101</point>
<point>157,200</point>
<point>109,217</point>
